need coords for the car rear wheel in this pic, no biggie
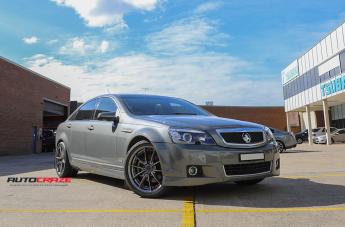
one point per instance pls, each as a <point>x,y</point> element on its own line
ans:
<point>143,171</point>
<point>62,166</point>
<point>299,140</point>
<point>280,147</point>
<point>249,182</point>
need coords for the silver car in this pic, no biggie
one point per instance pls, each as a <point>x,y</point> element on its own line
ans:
<point>285,140</point>
<point>155,142</point>
<point>337,135</point>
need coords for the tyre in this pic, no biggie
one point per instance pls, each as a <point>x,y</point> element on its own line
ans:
<point>143,171</point>
<point>280,147</point>
<point>249,182</point>
<point>299,140</point>
<point>62,165</point>
<point>332,140</point>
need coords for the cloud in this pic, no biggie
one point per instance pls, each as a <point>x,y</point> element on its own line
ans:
<point>84,46</point>
<point>208,6</point>
<point>186,36</point>
<point>176,61</point>
<point>103,47</point>
<point>106,13</point>
<point>52,41</point>
<point>30,40</point>
<point>209,76</point>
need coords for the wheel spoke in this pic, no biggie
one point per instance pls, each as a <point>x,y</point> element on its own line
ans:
<point>138,174</point>
<point>148,180</point>
<point>145,155</point>
<point>151,159</point>
<point>156,170</point>
<point>154,177</point>
<point>155,163</point>
<point>139,160</point>
<point>138,167</point>
<point>142,180</point>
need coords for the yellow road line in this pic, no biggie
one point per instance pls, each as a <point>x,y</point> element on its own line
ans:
<point>272,210</point>
<point>188,212</point>
<point>90,211</point>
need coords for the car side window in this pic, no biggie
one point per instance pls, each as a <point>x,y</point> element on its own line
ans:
<point>86,112</point>
<point>341,132</point>
<point>106,105</point>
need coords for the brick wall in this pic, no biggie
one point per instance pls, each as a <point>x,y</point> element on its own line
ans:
<point>21,105</point>
<point>270,116</point>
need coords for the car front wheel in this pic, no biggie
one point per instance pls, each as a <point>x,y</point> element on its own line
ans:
<point>143,171</point>
<point>299,140</point>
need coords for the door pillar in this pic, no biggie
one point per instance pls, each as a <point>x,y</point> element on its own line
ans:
<point>327,124</point>
<point>310,139</point>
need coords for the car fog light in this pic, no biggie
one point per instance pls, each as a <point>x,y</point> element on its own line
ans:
<point>192,171</point>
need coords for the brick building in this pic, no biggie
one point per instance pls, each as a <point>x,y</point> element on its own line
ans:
<point>274,116</point>
<point>29,102</point>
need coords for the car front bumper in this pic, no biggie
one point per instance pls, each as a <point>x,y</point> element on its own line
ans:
<point>175,159</point>
<point>318,140</point>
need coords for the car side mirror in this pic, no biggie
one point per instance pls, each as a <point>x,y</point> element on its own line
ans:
<point>108,116</point>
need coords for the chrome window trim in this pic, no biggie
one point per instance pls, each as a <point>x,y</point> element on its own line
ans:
<point>243,130</point>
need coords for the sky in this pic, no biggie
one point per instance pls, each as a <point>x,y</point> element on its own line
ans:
<point>230,52</point>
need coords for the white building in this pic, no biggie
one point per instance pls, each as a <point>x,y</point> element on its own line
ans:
<point>316,82</point>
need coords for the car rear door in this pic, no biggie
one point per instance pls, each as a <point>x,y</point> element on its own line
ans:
<point>101,137</point>
<point>78,127</point>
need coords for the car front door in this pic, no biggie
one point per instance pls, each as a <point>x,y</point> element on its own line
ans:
<point>101,137</point>
<point>78,127</point>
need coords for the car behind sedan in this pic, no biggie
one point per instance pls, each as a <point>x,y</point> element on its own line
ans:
<point>285,140</point>
<point>302,136</point>
<point>336,136</point>
<point>155,142</point>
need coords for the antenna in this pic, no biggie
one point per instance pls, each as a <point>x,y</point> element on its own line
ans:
<point>146,89</point>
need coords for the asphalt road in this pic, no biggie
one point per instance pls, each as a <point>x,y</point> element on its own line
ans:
<point>309,192</point>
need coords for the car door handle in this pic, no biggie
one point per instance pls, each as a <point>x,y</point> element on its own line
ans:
<point>91,127</point>
<point>69,125</point>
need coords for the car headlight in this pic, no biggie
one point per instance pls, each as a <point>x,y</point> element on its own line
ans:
<point>190,136</point>
<point>269,135</point>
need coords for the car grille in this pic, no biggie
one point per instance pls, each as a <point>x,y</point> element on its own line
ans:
<point>237,137</point>
<point>252,168</point>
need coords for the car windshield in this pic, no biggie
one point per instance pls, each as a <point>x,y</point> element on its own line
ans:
<point>315,130</point>
<point>333,129</point>
<point>157,105</point>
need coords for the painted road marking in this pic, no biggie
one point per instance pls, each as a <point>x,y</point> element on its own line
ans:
<point>188,213</point>
<point>90,211</point>
<point>272,210</point>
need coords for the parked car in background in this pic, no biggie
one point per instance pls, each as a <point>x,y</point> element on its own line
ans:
<point>302,136</point>
<point>336,136</point>
<point>321,131</point>
<point>48,140</point>
<point>285,140</point>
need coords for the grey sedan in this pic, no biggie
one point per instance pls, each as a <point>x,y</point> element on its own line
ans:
<point>155,142</point>
<point>285,140</point>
